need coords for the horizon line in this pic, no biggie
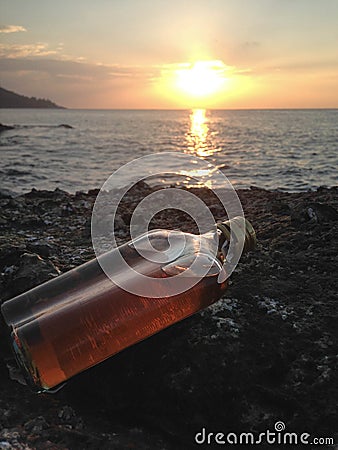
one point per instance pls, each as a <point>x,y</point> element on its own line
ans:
<point>323,108</point>
<point>193,108</point>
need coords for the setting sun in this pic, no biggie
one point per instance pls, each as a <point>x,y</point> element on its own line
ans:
<point>199,84</point>
<point>202,78</point>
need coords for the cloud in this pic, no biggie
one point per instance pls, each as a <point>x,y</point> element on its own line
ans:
<point>81,84</point>
<point>78,83</point>
<point>25,60</point>
<point>69,69</point>
<point>24,50</point>
<point>218,66</point>
<point>303,66</point>
<point>12,29</point>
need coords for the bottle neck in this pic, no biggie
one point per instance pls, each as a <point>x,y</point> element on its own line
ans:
<point>239,229</point>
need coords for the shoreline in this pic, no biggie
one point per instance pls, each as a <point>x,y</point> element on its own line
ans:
<point>264,353</point>
<point>7,192</point>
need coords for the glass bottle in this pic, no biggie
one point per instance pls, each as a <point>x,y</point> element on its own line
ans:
<point>74,321</point>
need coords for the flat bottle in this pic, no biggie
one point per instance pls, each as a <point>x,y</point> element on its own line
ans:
<point>70,323</point>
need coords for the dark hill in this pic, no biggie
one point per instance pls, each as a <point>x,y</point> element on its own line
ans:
<point>9,99</point>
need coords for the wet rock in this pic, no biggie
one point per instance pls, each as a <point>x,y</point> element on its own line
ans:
<point>18,221</point>
<point>65,125</point>
<point>36,425</point>
<point>5,127</point>
<point>265,352</point>
<point>41,248</point>
<point>87,228</point>
<point>6,194</point>
<point>280,208</point>
<point>30,271</point>
<point>67,209</point>
<point>10,439</point>
<point>93,192</point>
<point>68,416</point>
<point>109,222</point>
<point>10,254</point>
<point>314,213</point>
<point>322,213</point>
<point>3,221</point>
<point>139,190</point>
<point>41,194</point>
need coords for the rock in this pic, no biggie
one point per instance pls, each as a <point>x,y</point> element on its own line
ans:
<point>314,213</point>
<point>10,254</point>
<point>31,271</point>
<point>65,125</point>
<point>41,248</point>
<point>93,192</point>
<point>3,221</point>
<point>67,209</point>
<point>36,425</point>
<point>5,127</point>
<point>321,213</point>
<point>266,352</point>
<point>44,194</point>
<point>279,208</point>
<point>6,193</point>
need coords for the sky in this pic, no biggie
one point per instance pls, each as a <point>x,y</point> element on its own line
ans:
<point>172,53</point>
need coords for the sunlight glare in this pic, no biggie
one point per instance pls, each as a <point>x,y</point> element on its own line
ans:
<point>194,85</point>
<point>201,79</point>
<point>199,139</point>
<point>198,133</point>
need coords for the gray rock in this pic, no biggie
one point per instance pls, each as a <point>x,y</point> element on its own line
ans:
<point>266,352</point>
<point>6,194</point>
<point>313,212</point>
<point>65,125</point>
<point>30,271</point>
<point>41,248</point>
<point>10,254</point>
<point>5,127</point>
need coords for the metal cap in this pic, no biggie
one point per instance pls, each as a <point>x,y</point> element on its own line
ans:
<point>238,225</point>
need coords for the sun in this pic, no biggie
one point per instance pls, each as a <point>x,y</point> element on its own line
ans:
<point>201,78</point>
<point>197,84</point>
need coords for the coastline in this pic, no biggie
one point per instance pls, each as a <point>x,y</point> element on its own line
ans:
<point>265,352</point>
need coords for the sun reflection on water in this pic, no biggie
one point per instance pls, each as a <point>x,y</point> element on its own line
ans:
<point>198,133</point>
<point>199,138</point>
<point>199,142</point>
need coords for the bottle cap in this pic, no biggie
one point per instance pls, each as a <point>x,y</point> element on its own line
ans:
<point>238,225</point>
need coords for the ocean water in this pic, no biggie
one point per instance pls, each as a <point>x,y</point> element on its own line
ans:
<point>292,150</point>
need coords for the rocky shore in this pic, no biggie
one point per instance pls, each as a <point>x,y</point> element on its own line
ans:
<point>267,352</point>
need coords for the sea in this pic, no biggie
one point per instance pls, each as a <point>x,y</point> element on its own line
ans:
<point>77,150</point>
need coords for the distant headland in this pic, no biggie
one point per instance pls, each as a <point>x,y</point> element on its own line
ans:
<point>9,99</point>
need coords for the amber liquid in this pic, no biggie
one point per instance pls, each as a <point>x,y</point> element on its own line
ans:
<point>81,318</point>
